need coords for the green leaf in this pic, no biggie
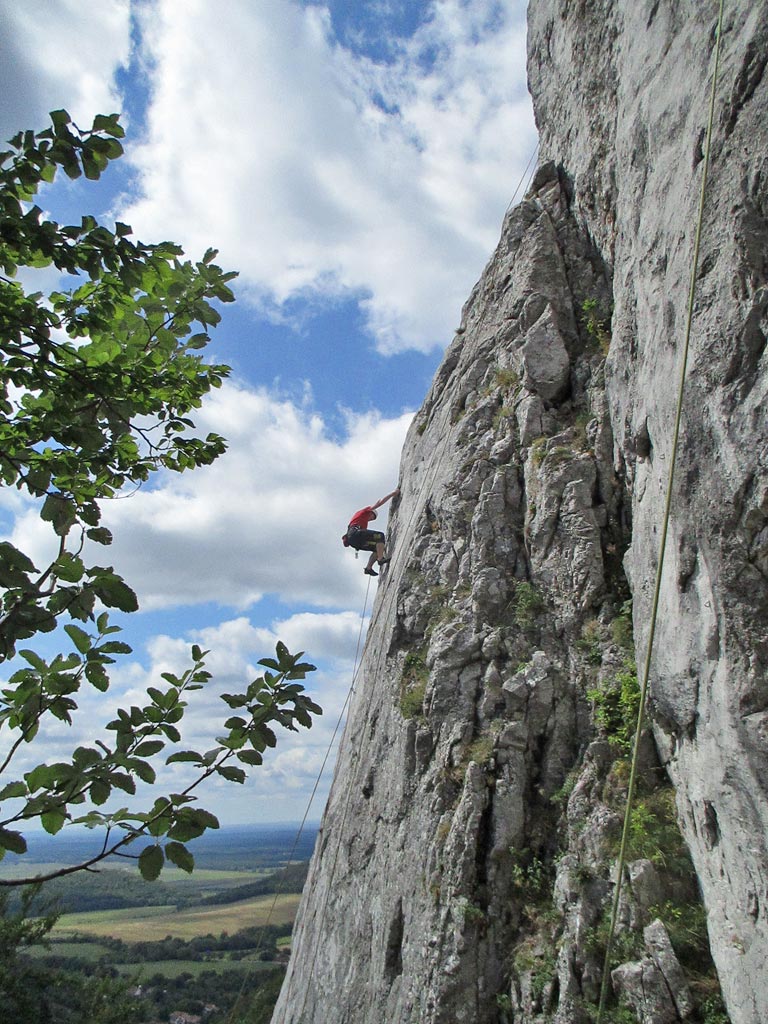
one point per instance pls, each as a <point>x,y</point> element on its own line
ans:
<point>86,756</point>
<point>13,841</point>
<point>231,774</point>
<point>249,757</point>
<point>115,593</point>
<point>151,862</point>
<point>12,790</point>
<point>99,792</point>
<point>185,830</point>
<point>102,352</point>
<point>107,123</point>
<point>124,782</point>
<point>14,566</point>
<point>115,647</point>
<point>197,341</point>
<point>148,748</point>
<point>60,118</point>
<point>184,755</point>
<point>144,771</point>
<point>52,821</point>
<point>44,776</point>
<point>179,855</point>
<point>79,638</point>
<point>99,534</point>
<point>97,676</point>
<point>38,478</point>
<point>234,700</point>
<point>60,512</point>
<point>68,567</point>
<point>192,823</point>
<point>34,660</point>
<point>204,817</point>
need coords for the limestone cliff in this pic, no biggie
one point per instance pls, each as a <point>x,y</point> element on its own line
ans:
<point>464,868</point>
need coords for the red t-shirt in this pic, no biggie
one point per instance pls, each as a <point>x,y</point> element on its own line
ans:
<point>363,517</point>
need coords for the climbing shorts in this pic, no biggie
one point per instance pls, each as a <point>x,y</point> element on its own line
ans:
<point>364,540</point>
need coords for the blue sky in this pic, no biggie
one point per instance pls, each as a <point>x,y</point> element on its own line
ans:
<point>353,161</point>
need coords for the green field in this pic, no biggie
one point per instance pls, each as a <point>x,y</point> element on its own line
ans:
<point>150,924</point>
<point>200,878</point>
<point>81,950</point>
<point>213,875</point>
<point>173,968</point>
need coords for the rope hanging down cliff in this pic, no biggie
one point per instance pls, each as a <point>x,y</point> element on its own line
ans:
<point>390,594</point>
<point>417,506</point>
<point>391,591</point>
<point>312,795</point>
<point>665,525</point>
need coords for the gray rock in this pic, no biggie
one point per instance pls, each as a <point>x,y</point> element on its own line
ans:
<point>545,363</point>
<point>655,987</point>
<point>479,865</point>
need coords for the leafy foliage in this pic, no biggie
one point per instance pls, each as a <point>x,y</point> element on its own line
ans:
<point>95,383</point>
<point>413,684</point>
<point>20,983</point>
<point>528,603</point>
<point>616,704</point>
<point>96,387</point>
<point>597,325</point>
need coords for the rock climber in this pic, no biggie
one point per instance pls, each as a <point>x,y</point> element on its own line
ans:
<point>358,535</point>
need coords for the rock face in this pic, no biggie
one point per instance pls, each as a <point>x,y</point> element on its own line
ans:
<point>464,869</point>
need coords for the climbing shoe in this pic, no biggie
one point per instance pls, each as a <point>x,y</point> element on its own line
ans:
<point>370,572</point>
<point>384,561</point>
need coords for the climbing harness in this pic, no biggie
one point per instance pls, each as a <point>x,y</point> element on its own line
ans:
<point>417,507</point>
<point>662,547</point>
<point>427,483</point>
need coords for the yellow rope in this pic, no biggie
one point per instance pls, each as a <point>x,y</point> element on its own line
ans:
<point>662,549</point>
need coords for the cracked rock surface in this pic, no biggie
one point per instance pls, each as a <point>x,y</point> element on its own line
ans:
<point>466,861</point>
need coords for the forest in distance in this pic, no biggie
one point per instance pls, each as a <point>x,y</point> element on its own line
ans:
<point>237,847</point>
<point>206,944</point>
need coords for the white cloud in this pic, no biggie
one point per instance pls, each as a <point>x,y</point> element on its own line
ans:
<point>279,789</point>
<point>62,54</point>
<point>270,140</point>
<point>318,173</point>
<point>267,517</point>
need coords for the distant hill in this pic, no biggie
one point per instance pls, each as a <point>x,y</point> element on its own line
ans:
<point>234,848</point>
<point>288,879</point>
<point>112,889</point>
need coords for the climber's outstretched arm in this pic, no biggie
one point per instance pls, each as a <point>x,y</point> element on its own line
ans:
<point>383,501</point>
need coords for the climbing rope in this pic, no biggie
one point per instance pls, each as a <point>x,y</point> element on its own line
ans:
<point>524,175</point>
<point>278,890</point>
<point>426,483</point>
<point>662,549</point>
<point>391,591</point>
<point>320,917</point>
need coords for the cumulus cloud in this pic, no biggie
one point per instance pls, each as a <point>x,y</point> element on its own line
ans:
<point>64,54</point>
<point>279,789</point>
<point>319,171</point>
<point>266,518</point>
